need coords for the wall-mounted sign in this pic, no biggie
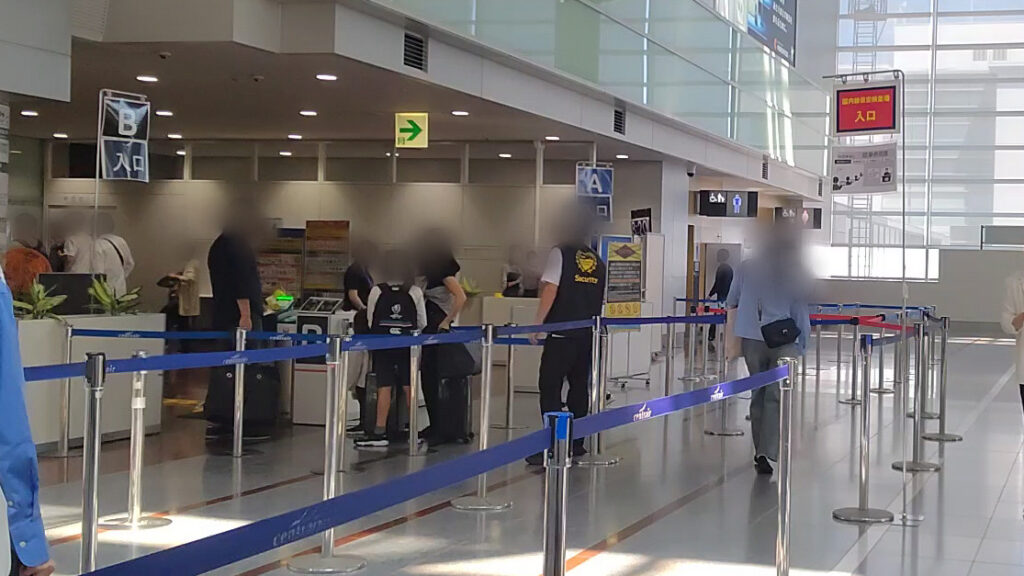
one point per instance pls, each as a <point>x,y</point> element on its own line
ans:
<point>807,218</point>
<point>326,256</point>
<point>869,169</point>
<point>640,222</point>
<point>727,204</point>
<point>625,279</point>
<point>595,186</point>
<point>124,138</point>
<point>280,262</point>
<point>412,130</point>
<point>871,108</point>
<point>773,23</point>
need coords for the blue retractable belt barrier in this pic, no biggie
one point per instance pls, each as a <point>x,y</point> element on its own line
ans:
<point>285,337</point>
<point>152,334</point>
<point>705,319</point>
<point>54,372</point>
<point>509,341</point>
<point>543,328</point>
<point>383,342</point>
<point>829,322</point>
<point>244,542</point>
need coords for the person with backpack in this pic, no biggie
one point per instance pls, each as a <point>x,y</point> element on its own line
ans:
<point>394,308</point>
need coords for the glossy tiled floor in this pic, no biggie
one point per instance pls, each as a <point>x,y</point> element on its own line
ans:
<point>680,502</point>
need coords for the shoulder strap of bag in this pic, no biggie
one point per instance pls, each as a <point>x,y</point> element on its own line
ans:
<point>114,246</point>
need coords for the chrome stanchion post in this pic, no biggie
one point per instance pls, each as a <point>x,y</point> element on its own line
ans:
<point>930,383</point>
<point>881,388</point>
<point>415,353</point>
<point>135,520</point>
<point>863,513</point>
<point>840,331</point>
<point>670,358</point>
<point>510,398</point>
<point>817,351</point>
<point>602,392</point>
<point>785,455</point>
<point>691,347</point>
<point>64,440</point>
<point>855,352</point>
<point>598,377</point>
<point>703,329</point>
<point>334,460</point>
<point>942,435</point>
<point>557,461</point>
<point>236,437</point>
<point>95,376</point>
<point>917,462</point>
<point>723,405</point>
<point>480,502</point>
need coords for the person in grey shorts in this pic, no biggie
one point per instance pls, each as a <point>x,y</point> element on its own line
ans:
<point>770,287</point>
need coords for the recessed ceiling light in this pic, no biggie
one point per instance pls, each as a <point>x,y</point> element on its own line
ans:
<point>295,136</point>
<point>29,113</point>
<point>307,113</point>
<point>389,154</point>
<point>284,153</point>
<point>552,138</point>
<point>60,135</point>
<point>149,79</point>
<point>181,152</point>
<point>164,113</point>
<point>460,113</point>
<point>326,77</point>
<point>15,151</point>
<point>174,136</point>
<point>622,156</point>
<point>504,155</point>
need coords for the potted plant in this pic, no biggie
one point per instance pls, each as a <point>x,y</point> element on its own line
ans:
<point>37,303</point>
<point>110,303</point>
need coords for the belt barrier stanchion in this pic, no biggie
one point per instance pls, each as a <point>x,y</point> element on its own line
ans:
<point>670,358</point>
<point>881,388</point>
<point>942,435</point>
<point>415,353</point>
<point>606,359</point>
<point>930,392</point>
<point>135,520</point>
<point>723,406</point>
<point>480,502</point>
<point>817,351</point>
<point>691,348</point>
<point>334,460</point>
<point>557,461</point>
<point>839,356</point>
<point>239,412</point>
<point>905,518</point>
<point>853,400</point>
<point>64,440</point>
<point>785,461</point>
<point>863,513</point>
<point>704,344</point>
<point>510,398</point>
<point>917,462</point>
<point>95,376</point>
<point>598,378</point>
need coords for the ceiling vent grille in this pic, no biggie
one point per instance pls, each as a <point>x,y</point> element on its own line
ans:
<point>415,51</point>
<point>764,168</point>
<point>89,19</point>
<point>619,121</point>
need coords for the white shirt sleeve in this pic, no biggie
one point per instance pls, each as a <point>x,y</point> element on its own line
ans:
<point>421,306</point>
<point>371,303</point>
<point>553,268</point>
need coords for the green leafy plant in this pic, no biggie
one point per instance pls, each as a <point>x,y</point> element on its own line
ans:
<point>37,303</point>
<point>110,303</point>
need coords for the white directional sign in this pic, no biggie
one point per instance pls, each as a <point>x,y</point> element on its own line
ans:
<point>124,139</point>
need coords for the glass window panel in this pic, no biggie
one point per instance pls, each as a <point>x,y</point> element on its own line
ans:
<point>888,32</point>
<point>978,63</point>
<point>980,94</point>
<point>900,7</point>
<point>977,5</point>
<point>981,29</point>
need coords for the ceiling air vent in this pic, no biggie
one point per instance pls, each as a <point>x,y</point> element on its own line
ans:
<point>764,168</point>
<point>415,51</point>
<point>619,121</point>
<point>821,187</point>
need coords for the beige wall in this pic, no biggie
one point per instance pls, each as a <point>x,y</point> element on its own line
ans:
<point>167,221</point>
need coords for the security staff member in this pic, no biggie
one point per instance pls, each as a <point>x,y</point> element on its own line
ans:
<point>572,288</point>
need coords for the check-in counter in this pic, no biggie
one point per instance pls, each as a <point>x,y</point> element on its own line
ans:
<point>42,343</point>
<point>630,346</point>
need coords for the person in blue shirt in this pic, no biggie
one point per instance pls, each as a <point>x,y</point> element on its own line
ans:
<point>770,287</point>
<point>19,474</point>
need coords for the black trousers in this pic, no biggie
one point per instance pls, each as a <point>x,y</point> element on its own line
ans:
<point>565,359</point>
<point>15,563</point>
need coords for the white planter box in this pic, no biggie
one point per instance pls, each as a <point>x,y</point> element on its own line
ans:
<point>42,343</point>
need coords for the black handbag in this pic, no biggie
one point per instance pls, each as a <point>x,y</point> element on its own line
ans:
<point>778,333</point>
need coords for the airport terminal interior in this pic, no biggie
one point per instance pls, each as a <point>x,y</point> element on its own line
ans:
<point>512,287</point>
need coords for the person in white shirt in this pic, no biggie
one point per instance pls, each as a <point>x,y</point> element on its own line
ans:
<point>1012,321</point>
<point>113,257</point>
<point>78,244</point>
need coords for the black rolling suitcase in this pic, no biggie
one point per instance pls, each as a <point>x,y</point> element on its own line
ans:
<point>398,416</point>
<point>262,397</point>
<point>453,411</point>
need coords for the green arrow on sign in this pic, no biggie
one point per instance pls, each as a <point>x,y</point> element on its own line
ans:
<point>413,130</point>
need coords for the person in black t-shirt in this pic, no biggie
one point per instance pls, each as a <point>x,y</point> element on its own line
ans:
<point>720,289</point>
<point>358,281</point>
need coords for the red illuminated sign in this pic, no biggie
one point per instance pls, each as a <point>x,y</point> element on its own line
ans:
<point>871,109</point>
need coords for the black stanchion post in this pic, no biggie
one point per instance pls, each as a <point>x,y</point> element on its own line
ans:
<point>480,502</point>
<point>239,411</point>
<point>917,462</point>
<point>95,377</point>
<point>942,435</point>
<point>785,464</point>
<point>135,520</point>
<point>334,460</point>
<point>598,381</point>
<point>881,387</point>
<point>863,513</point>
<point>855,360</point>
<point>557,461</point>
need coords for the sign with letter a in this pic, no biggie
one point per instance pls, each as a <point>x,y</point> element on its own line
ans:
<point>124,139</point>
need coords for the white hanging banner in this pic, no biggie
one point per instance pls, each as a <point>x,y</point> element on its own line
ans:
<point>124,138</point>
<point>865,169</point>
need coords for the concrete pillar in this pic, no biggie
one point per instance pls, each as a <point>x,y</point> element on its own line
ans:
<point>675,217</point>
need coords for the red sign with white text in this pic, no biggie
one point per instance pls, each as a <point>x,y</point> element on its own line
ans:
<point>866,110</point>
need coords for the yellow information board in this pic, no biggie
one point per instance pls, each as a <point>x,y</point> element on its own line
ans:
<point>412,130</point>
<point>625,279</point>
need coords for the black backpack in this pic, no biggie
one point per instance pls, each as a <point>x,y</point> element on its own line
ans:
<point>394,312</point>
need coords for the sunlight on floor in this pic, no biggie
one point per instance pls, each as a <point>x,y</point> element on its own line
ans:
<point>183,529</point>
